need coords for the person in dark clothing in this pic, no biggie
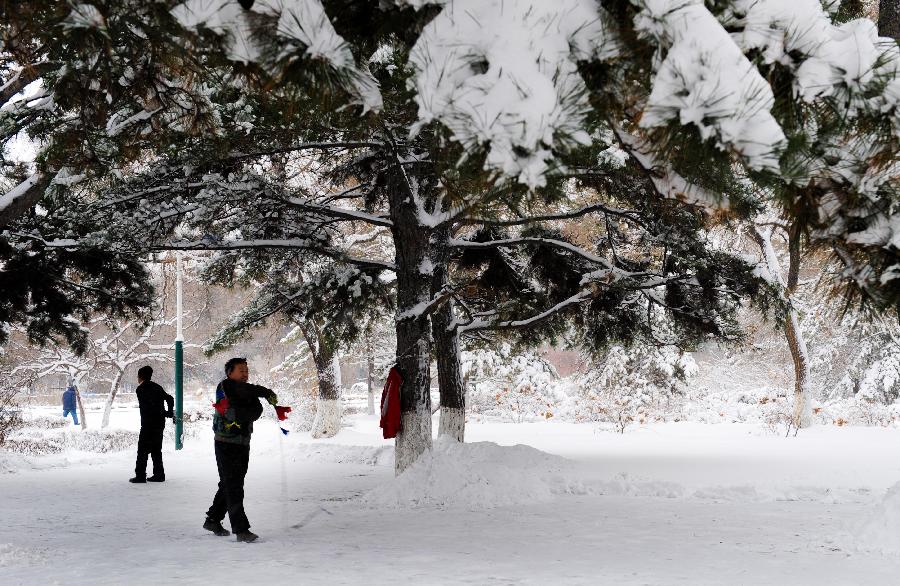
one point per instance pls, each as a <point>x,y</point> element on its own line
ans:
<point>69,403</point>
<point>151,397</point>
<point>237,407</point>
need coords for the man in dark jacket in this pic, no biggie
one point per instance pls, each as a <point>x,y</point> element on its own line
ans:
<point>151,397</point>
<point>237,407</point>
<point>69,403</point>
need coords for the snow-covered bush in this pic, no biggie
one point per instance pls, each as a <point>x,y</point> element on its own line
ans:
<point>34,441</point>
<point>634,385</point>
<point>10,416</point>
<point>515,387</point>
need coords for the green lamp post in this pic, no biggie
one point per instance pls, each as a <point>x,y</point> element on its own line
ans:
<point>179,360</point>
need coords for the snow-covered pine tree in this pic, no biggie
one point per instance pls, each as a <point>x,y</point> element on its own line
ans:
<point>469,103</point>
<point>88,87</point>
<point>328,304</point>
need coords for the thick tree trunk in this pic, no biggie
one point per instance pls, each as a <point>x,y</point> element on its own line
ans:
<point>446,348</point>
<point>889,19</point>
<point>113,390</point>
<point>327,422</point>
<point>411,243</point>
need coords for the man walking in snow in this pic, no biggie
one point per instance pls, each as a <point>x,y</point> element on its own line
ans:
<point>151,397</point>
<point>69,403</point>
<point>237,407</point>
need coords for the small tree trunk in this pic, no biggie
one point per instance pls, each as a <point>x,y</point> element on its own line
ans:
<point>327,422</point>
<point>411,243</point>
<point>889,19</point>
<point>80,408</point>
<point>803,414</point>
<point>446,347</point>
<point>113,389</point>
<point>370,375</point>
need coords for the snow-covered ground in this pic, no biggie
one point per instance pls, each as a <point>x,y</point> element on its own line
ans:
<point>663,504</point>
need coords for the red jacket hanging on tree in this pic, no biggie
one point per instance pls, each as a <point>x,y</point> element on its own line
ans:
<point>390,404</point>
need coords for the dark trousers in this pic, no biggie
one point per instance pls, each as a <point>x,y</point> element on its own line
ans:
<point>232,461</point>
<point>149,444</point>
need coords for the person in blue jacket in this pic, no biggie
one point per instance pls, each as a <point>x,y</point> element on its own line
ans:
<point>69,404</point>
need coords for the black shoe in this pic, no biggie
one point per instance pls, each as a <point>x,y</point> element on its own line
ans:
<point>215,527</point>
<point>138,480</point>
<point>156,478</point>
<point>247,536</point>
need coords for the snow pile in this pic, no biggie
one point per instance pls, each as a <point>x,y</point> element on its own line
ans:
<point>480,475</point>
<point>878,531</point>
<point>704,79</point>
<point>503,74</point>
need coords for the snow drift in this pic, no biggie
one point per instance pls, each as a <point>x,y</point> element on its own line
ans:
<point>480,475</point>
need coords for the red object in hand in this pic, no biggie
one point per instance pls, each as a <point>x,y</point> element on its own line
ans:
<point>282,412</point>
<point>222,406</point>
<point>390,404</point>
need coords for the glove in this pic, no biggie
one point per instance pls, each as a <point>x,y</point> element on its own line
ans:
<point>170,414</point>
<point>272,399</point>
<point>222,405</point>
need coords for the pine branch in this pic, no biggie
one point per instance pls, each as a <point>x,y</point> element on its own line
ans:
<point>288,244</point>
<point>481,325</point>
<point>627,214</point>
<point>307,146</point>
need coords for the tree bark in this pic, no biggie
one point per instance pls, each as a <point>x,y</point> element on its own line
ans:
<point>446,347</point>
<point>113,390</point>
<point>80,408</point>
<point>327,422</point>
<point>889,19</point>
<point>411,243</point>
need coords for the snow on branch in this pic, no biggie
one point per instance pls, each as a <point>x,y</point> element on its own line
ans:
<point>342,213</point>
<point>20,80</point>
<point>583,211</point>
<point>704,79</point>
<point>608,274</point>
<point>21,197</point>
<point>825,58</point>
<point>503,74</point>
<point>301,24</point>
<point>484,324</point>
<point>667,182</point>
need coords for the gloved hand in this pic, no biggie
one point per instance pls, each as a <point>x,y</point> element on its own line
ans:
<point>272,399</point>
<point>170,414</point>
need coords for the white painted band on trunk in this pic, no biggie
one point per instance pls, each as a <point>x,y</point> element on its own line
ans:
<point>413,440</point>
<point>327,422</point>
<point>453,423</point>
